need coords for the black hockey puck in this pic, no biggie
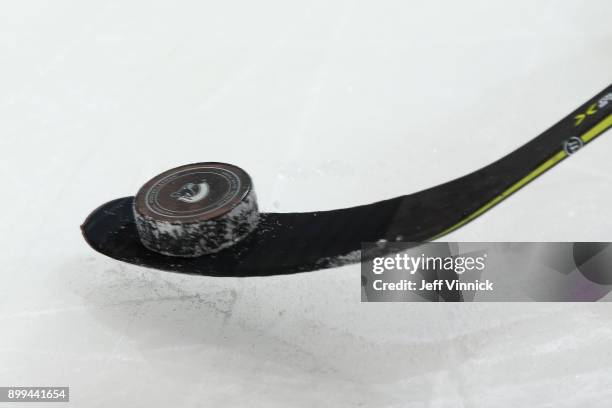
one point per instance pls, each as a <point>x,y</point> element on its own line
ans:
<point>196,209</point>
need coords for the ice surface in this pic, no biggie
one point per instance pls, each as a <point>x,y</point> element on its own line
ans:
<point>326,104</point>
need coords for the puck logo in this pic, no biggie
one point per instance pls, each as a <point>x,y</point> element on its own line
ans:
<point>191,192</point>
<point>572,145</point>
<point>202,192</point>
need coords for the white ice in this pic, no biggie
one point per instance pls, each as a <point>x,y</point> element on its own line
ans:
<point>327,104</point>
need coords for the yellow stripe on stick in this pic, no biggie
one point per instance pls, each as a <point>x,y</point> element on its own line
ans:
<point>588,136</point>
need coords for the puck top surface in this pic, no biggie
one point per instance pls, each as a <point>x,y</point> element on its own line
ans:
<point>194,192</point>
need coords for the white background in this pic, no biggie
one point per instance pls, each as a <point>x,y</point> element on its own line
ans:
<point>327,104</point>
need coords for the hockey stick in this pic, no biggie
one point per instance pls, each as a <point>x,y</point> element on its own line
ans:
<point>296,242</point>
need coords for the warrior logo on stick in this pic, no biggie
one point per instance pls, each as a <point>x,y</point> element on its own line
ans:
<point>572,145</point>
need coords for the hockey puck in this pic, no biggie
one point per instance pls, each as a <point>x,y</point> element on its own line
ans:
<point>195,209</point>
